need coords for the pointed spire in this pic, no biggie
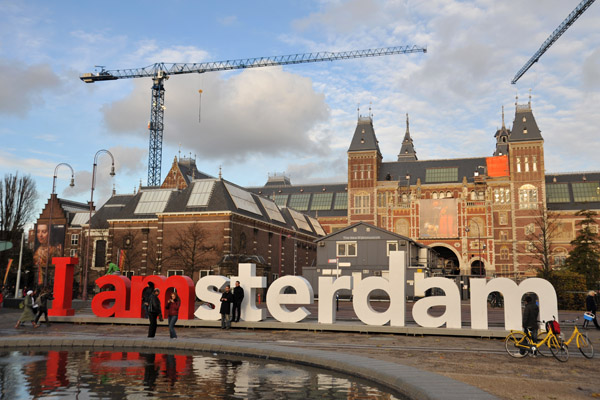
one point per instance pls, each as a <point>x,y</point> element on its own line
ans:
<point>503,126</point>
<point>220,173</point>
<point>114,191</point>
<point>407,151</point>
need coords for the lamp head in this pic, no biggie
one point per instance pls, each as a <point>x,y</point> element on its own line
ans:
<point>112,170</point>
<point>72,182</point>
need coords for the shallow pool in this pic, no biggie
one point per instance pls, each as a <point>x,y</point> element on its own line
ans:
<point>134,375</point>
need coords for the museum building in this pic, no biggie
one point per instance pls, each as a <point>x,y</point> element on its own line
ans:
<point>482,215</point>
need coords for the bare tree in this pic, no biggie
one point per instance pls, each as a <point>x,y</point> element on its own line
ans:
<point>543,231</point>
<point>17,203</point>
<point>190,249</point>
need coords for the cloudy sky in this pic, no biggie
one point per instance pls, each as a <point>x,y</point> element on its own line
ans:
<point>296,119</point>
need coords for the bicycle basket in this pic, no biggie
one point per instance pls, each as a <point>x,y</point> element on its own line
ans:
<point>553,326</point>
<point>588,316</point>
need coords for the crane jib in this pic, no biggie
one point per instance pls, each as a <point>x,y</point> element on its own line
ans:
<point>161,71</point>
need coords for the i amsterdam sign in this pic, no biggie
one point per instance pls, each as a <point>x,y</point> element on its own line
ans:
<point>125,300</point>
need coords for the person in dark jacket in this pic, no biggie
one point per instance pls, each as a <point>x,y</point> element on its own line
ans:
<point>154,312</point>
<point>42,308</point>
<point>226,300</point>
<point>590,306</point>
<point>530,318</point>
<point>146,294</point>
<point>173,305</point>
<point>238,297</point>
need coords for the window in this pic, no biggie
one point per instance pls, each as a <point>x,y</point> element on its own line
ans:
<point>449,195</point>
<point>128,274</point>
<point>559,260</point>
<point>434,195</point>
<point>173,272</point>
<point>530,247</point>
<point>530,229</point>
<point>528,197</point>
<point>526,164</point>
<point>73,253</point>
<point>504,254</point>
<point>341,201</point>
<point>281,199</point>
<point>585,191</point>
<point>381,199</point>
<point>321,201</point>
<point>518,164</point>
<point>557,193</point>
<point>481,195</point>
<point>436,175</point>
<point>362,203</point>
<point>74,239</point>
<point>392,245</point>
<point>204,272</point>
<point>503,217</point>
<point>346,249</point>
<point>534,164</point>
<point>473,195</point>
<point>404,198</point>
<point>503,236</point>
<point>300,201</point>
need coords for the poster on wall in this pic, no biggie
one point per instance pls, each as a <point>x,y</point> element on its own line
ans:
<point>439,218</point>
<point>47,245</point>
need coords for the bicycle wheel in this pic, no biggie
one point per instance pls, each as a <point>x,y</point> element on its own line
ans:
<point>543,350</point>
<point>585,345</point>
<point>559,350</point>
<point>517,344</point>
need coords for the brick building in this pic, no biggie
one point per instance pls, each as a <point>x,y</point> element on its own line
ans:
<point>193,225</point>
<point>481,214</point>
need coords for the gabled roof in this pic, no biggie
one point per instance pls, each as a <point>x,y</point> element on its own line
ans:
<point>397,171</point>
<point>364,136</point>
<point>372,228</point>
<point>573,191</point>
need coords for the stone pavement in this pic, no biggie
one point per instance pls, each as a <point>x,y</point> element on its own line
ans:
<point>443,367</point>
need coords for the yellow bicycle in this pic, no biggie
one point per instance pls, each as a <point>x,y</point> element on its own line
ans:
<point>584,343</point>
<point>518,344</point>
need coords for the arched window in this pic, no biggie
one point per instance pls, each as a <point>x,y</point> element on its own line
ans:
<point>449,194</point>
<point>504,254</point>
<point>528,198</point>
<point>434,195</point>
<point>473,195</point>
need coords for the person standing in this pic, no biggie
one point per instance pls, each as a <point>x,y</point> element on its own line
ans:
<point>591,306</point>
<point>238,297</point>
<point>154,312</point>
<point>530,318</point>
<point>42,303</point>
<point>27,315</point>
<point>146,294</point>
<point>173,313</point>
<point>226,300</point>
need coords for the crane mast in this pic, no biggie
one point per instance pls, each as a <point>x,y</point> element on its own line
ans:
<point>571,18</point>
<point>159,72</point>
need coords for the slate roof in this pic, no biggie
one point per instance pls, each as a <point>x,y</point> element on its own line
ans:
<point>524,126</point>
<point>364,138</point>
<point>398,170</point>
<point>565,191</point>
<point>372,228</point>
<point>220,199</point>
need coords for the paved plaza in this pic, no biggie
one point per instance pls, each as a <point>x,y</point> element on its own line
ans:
<point>441,366</point>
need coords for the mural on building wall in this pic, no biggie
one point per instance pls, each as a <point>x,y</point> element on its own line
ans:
<point>439,218</point>
<point>47,244</point>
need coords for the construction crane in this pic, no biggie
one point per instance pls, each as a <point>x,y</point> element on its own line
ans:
<point>160,72</point>
<point>571,18</point>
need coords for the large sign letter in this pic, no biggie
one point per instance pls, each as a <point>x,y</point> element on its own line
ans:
<point>512,300</point>
<point>451,300</point>
<point>328,287</point>
<point>395,288</point>
<point>277,298</point>
<point>63,286</point>
<point>207,289</point>
<point>250,282</point>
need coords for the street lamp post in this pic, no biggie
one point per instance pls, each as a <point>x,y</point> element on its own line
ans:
<point>89,239</point>
<point>52,195</point>
<point>481,264</point>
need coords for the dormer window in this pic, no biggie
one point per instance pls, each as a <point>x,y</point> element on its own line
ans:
<point>524,119</point>
<point>524,131</point>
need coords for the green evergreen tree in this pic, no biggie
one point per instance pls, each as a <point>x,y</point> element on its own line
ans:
<point>584,257</point>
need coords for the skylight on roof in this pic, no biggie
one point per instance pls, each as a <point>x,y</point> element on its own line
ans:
<point>438,175</point>
<point>201,193</point>
<point>299,220</point>
<point>153,201</point>
<point>242,199</point>
<point>272,210</point>
<point>318,228</point>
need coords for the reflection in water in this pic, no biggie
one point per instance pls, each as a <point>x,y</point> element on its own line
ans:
<point>120,375</point>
